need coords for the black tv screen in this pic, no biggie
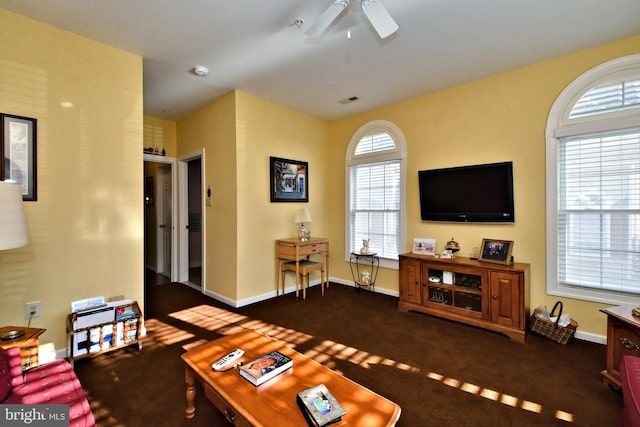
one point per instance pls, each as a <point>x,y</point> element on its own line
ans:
<point>478,193</point>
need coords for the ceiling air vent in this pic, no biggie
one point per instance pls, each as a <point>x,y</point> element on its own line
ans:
<point>348,100</point>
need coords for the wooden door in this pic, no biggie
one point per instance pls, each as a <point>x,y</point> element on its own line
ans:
<point>409,280</point>
<point>505,298</point>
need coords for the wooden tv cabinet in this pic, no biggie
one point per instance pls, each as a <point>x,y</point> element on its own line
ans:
<point>486,295</point>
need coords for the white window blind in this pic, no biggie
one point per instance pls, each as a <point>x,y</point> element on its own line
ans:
<point>375,207</point>
<point>599,211</point>
<point>607,98</point>
<point>375,143</point>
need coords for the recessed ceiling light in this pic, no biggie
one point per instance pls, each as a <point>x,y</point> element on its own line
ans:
<point>201,71</point>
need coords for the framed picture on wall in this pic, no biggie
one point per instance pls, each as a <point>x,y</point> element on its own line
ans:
<point>496,251</point>
<point>18,153</point>
<point>289,180</point>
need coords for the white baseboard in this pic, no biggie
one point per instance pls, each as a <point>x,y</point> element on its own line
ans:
<point>586,336</point>
<point>288,290</point>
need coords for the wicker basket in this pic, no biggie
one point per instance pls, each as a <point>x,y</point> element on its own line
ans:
<point>551,330</point>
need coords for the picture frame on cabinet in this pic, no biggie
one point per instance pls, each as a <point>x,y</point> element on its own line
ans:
<point>496,251</point>
<point>18,153</point>
<point>423,246</point>
<point>289,180</point>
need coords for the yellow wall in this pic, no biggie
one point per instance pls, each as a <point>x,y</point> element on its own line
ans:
<point>239,133</point>
<point>263,130</point>
<point>501,118</point>
<point>213,127</point>
<point>85,229</point>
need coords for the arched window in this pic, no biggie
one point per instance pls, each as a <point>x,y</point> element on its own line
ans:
<point>375,188</point>
<point>593,186</point>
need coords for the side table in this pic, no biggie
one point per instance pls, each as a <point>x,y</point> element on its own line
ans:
<point>364,269</point>
<point>27,343</point>
<point>295,249</point>
<point>623,337</point>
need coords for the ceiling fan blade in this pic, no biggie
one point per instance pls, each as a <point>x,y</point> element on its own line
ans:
<point>327,18</point>
<point>379,18</point>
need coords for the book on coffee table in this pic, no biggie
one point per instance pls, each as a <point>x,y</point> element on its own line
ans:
<point>265,367</point>
<point>319,406</point>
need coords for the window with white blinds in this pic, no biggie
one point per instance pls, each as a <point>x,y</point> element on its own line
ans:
<point>593,186</point>
<point>375,191</point>
<point>375,207</point>
<point>599,212</point>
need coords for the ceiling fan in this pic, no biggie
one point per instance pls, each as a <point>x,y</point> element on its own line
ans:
<point>377,15</point>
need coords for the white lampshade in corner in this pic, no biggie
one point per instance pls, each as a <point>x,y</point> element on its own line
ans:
<point>302,216</point>
<point>13,227</point>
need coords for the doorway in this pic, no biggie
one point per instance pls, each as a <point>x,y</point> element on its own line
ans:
<point>194,226</point>
<point>160,238</point>
<point>192,220</point>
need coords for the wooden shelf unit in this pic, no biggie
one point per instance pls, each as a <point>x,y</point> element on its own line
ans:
<point>486,295</point>
<point>130,335</point>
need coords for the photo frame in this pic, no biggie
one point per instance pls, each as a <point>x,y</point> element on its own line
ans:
<point>289,180</point>
<point>424,246</point>
<point>496,251</point>
<point>18,153</point>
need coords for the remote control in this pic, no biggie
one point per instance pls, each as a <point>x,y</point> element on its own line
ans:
<point>221,363</point>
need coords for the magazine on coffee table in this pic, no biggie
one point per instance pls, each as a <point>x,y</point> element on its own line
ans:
<point>319,406</point>
<point>265,367</point>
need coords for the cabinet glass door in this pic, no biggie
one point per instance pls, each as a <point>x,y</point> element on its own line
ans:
<point>468,291</point>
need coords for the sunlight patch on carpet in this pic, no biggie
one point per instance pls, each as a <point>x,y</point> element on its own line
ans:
<point>208,317</point>
<point>162,334</point>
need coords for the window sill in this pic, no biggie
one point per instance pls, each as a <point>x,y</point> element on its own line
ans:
<point>593,295</point>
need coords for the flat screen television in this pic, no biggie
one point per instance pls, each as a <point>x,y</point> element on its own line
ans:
<point>477,193</point>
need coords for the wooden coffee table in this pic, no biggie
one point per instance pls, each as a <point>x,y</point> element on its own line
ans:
<point>274,402</point>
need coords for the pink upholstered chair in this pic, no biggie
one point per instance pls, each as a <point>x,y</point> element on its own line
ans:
<point>51,383</point>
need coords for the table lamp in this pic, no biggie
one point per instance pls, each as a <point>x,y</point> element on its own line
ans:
<point>13,230</point>
<point>13,227</point>
<point>303,216</point>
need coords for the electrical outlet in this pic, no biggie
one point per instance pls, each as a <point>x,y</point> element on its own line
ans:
<point>33,309</point>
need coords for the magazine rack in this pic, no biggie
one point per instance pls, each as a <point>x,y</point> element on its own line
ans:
<point>125,331</point>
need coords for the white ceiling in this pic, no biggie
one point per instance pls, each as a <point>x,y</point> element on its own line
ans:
<point>255,47</point>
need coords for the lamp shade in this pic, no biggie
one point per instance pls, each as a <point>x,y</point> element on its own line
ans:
<point>302,216</point>
<point>13,227</point>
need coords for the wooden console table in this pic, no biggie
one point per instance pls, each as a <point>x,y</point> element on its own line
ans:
<point>294,249</point>
<point>27,343</point>
<point>623,337</point>
<point>273,404</point>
